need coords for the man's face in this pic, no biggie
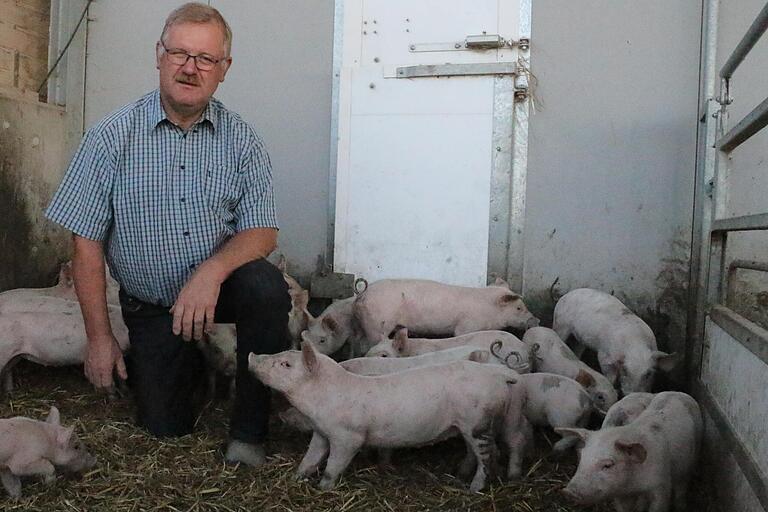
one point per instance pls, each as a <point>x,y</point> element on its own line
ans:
<point>185,89</point>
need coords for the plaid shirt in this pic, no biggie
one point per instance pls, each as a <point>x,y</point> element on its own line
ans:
<point>163,200</point>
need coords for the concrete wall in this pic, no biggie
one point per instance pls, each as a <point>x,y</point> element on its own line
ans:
<point>611,155</point>
<point>36,142</point>
<point>280,82</point>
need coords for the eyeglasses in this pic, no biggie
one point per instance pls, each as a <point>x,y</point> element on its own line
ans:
<point>178,57</point>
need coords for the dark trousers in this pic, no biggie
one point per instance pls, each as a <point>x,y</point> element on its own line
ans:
<point>167,374</point>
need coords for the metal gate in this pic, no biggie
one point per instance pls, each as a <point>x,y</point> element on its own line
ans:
<point>728,350</point>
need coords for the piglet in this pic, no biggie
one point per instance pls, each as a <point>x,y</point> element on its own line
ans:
<point>49,331</point>
<point>503,347</point>
<point>334,328</point>
<point>644,465</point>
<point>348,411</point>
<point>556,401</point>
<point>436,309</point>
<point>626,410</point>
<point>625,345</point>
<point>30,448</point>
<point>550,354</point>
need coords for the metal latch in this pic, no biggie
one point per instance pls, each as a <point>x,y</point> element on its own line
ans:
<point>470,43</point>
<point>485,42</point>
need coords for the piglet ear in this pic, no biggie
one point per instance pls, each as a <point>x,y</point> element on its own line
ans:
<point>401,338</point>
<point>665,362</point>
<point>585,379</point>
<point>309,356</point>
<point>54,418</point>
<point>508,298</point>
<point>330,324</point>
<point>635,452</point>
<point>282,264</point>
<point>480,356</point>
<point>500,282</point>
<point>581,434</point>
<point>300,299</point>
<point>64,435</point>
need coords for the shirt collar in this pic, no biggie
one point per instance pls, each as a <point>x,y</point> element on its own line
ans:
<point>157,113</point>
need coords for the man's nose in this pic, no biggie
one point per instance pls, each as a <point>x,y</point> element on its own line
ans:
<point>189,67</point>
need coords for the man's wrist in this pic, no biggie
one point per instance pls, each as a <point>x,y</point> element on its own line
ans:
<point>218,270</point>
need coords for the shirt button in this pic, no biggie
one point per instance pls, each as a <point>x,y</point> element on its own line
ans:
<point>182,167</point>
<point>191,266</point>
<point>186,233</point>
<point>183,199</point>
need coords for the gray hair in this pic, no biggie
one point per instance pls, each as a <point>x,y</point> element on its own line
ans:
<point>195,12</point>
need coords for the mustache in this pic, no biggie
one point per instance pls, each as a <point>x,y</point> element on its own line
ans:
<point>187,79</point>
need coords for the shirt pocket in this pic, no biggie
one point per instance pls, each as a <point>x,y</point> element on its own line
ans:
<point>222,190</point>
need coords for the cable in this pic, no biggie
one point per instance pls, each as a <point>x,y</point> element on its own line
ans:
<point>66,46</point>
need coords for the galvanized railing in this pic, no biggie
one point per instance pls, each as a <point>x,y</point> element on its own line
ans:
<point>712,274</point>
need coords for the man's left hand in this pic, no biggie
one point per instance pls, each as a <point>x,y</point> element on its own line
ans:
<point>195,306</point>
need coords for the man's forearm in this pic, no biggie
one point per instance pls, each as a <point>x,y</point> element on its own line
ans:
<point>90,284</point>
<point>245,246</point>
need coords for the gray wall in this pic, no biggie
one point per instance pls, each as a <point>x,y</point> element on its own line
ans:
<point>280,82</point>
<point>36,142</point>
<point>611,156</point>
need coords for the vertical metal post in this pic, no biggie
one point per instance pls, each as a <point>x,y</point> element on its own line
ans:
<point>703,202</point>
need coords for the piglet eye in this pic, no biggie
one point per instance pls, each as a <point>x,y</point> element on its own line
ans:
<point>384,355</point>
<point>608,464</point>
<point>285,364</point>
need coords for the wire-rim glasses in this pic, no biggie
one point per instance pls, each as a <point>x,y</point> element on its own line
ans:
<point>179,57</point>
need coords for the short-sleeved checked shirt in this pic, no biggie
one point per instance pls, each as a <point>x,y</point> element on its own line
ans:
<point>164,200</point>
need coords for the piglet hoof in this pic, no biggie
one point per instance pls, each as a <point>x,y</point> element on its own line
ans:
<point>326,483</point>
<point>514,473</point>
<point>301,477</point>
<point>477,484</point>
<point>49,479</point>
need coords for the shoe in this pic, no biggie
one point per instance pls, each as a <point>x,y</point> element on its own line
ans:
<point>245,453</point>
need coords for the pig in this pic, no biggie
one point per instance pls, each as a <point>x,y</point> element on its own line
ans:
<point>506,348</point>
<point>374,366</point>
<point>219,346</point>
<point>298,316</point>
<point>556,401</point>
<point>550,354</point>
<point>625,345</point>
<point>647,463</point>
<point>64,289</point>
<point>626,410</point>
<point>348,411</point>
<point>335,327</point>
<point>49,331</point>
<point>30,448</point>
<point>436,309</point>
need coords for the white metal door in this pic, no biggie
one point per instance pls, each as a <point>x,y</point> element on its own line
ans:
<point>415,155</point>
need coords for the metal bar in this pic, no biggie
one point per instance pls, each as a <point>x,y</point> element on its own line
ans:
<point>762,266</point>
<point>745,223</point>
<point>746,44</point>
<point>430,70</point>
<point>746,461</point>
<point>703,209</point>
<point>746,128</point>
<point>753,337</point>
<point>338,41</point>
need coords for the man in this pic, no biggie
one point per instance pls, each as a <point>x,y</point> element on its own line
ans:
<point>176,192</point>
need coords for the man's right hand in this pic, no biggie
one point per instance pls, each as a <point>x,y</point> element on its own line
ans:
<point>103,355</point>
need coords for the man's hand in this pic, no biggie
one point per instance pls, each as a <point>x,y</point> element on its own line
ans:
<point>195,306</point>
<point>103,355</point>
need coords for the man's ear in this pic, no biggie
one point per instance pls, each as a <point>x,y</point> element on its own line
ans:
<point>309,356</point>
<point>158,53</point>
<point>225,64</point>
